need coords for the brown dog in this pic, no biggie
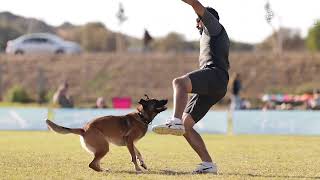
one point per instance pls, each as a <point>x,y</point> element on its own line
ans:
<point>96,135</point>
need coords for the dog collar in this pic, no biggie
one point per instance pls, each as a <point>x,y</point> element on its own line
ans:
<point>143,119</point>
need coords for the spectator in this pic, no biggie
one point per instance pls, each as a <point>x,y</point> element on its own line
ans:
<point>62,98</point>
<point>235,97</point>
<point>245,104</point>
<point>100,103</point>
<point>146,40</point>
<point>269,106</point>
<point>315,102</point>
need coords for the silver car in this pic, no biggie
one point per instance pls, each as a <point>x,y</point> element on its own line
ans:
<point>41,43</point>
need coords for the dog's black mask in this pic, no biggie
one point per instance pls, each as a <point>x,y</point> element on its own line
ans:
<point>153,105</point>
<point>149,108</point>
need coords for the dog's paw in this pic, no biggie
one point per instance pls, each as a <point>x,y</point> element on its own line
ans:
<point>144,166</point>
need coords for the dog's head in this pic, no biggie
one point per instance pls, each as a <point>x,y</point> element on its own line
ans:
<point>149,108</point>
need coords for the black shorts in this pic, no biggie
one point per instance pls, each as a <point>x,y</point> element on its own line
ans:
<point>209,86</point>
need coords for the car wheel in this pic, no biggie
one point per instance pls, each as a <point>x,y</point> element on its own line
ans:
<point>17,52</point>
<point>60,51</point>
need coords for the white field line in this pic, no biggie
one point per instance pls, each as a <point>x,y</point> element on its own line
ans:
<point>22,122</point>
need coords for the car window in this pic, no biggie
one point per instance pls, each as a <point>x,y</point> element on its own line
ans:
<point>31,40</point>
<point>42,40</point>
<point>51,41</point>
<point>37,40</point>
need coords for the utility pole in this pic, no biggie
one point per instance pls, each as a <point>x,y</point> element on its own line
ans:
<point>41,82</point>
<point>121,18</point>
<point>278,36</point>
<point>277,39</point>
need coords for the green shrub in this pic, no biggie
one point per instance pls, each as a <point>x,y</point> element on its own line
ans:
<point>48,96</point>
<point>17,94</point>
<point>313,39</point>
<point>306,87</point>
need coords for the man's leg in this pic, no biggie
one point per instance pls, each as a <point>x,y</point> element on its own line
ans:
<point>195,82</point>
<point>194,139</point>
<point>197,108</point>
<point>174,126</point>
<point>197,144</point>
<point>181,87</point>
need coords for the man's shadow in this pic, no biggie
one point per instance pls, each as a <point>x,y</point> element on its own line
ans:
<point>153,172</point>
<point>177,173</point>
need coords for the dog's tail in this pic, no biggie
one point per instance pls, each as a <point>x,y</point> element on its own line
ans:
<point>63,130</point>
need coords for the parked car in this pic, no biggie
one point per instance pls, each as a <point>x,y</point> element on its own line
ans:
<point>43,43</point>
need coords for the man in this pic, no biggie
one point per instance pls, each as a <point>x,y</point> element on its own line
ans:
<point>209,85</point>
<point>147,38</point>
<point>236,88</point>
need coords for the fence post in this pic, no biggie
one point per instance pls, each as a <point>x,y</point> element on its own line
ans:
<point>230,119</point>
<point>41,86</point>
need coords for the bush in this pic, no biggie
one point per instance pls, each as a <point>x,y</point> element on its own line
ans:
<point>313,39</point>
<point>48,97</point>
<point>17,94</point>
<point>173,42</point>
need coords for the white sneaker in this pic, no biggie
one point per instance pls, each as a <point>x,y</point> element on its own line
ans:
<point>204,168</point>
<point>173,126</point>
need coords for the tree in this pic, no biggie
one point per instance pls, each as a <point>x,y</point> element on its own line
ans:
<point>291,40</point>
<point>239,46</point>
<point>172,42</point>
<point>6,34</point>
<point>313,39</point>
<point>95,37</point>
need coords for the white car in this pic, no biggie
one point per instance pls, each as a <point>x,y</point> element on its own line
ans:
<point>41,43</point>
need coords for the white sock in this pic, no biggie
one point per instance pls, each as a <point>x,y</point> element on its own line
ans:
<point>208,164</point>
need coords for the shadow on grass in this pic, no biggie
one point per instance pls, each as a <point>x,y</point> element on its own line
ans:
<point>269,176</point>
<point>177,173</point>
<point>153,172</point>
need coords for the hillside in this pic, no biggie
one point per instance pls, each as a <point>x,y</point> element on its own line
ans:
<point>23,24</point>
<point>96,36</point>
<point>110,75</point>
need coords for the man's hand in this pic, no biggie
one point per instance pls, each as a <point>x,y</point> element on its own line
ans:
<point>190,2</point>
<point>196,5</point>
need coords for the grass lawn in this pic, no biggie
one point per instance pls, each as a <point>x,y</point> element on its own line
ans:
<point>45,155</point>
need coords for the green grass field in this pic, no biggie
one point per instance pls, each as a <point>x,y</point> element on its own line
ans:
<point>45,155</point>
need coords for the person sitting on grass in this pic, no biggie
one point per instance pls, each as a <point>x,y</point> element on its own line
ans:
<point>100,103</point>
<point>62,98</point>
<point>315,101</point>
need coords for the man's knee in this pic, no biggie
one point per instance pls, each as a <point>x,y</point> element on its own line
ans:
<point>183,83</point>
<point>179,82</point>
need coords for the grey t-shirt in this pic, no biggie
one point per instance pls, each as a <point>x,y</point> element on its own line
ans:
<point>214,43</point>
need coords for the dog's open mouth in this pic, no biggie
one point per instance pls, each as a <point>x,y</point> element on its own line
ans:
<point>161,105</point>
<point>160,109</point>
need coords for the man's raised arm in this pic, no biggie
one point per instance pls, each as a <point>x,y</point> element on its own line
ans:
<point>197,6</point>
<point>210,22</point>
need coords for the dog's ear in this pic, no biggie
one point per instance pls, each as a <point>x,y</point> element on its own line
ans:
<point>147,97</point>
<point>142,102</point>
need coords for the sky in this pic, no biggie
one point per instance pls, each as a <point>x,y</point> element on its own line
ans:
<point>244,20</point>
